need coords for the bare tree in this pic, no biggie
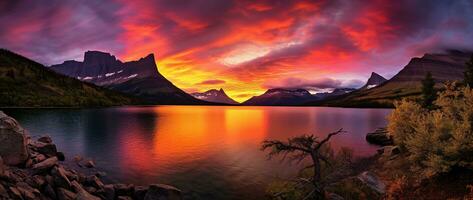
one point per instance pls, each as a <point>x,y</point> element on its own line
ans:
<point>299,148</point>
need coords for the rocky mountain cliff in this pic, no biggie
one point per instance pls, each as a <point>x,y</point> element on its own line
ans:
<point>140,78</point>
<point>26,83</point>
<point>447,66</point>
<point>217,96</point>
<point>374,80</point>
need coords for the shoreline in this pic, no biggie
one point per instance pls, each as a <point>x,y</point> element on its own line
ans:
<point>35,169</point>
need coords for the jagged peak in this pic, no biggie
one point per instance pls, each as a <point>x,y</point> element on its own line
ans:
<point>149,57</point>
<point>99,58</point>
<point>375,75</point>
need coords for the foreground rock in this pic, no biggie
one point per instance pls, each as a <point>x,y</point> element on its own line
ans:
<point>32,170</point>
<point>379,137</point>
<point>363,186</point>
<point>12,140</point>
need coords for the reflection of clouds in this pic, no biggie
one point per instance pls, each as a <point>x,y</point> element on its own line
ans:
<point>214,147</point>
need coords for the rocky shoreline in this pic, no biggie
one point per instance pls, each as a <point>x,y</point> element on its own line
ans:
<point>34,169</point>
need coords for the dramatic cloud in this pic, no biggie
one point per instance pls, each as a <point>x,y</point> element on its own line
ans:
<point>249,44</point>
<point>211,82</point>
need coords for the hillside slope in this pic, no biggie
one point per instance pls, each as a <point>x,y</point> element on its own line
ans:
<point>26,83</point>
<point>444,67</point>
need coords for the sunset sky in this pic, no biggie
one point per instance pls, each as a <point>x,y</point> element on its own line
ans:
<point>242,46</point>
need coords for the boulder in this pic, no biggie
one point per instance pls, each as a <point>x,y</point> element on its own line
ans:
<point>90,164</point>
<point>60,156</point>
<point>379,137</point>
<point>48,149</point>
<point>123,189</point>
<point>2,167</point>
<point>46,164</point>
<point>45,139</point>
<point>333,196</point>
<point>363,186</point>
<point>93,181</point>
<point>82,194</point>
<point>49,191</point>
<point>12,137</point>
<point>372,181</point>
<point>27,191</point>
<point>100,174</point>
<point>15,193</point>
<point>163,192</point>
<point>389,151</point>
<point>60,177</point>
<point>109,192</point>
<point>3,193</point>
<point>140,192</point>
<point>39,158</point>
<point>37,181</point>
<point>63,194</point>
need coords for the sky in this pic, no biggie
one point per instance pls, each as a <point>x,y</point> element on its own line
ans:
<point>243,46</point>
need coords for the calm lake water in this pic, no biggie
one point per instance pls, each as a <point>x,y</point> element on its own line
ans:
<point>210,152</point>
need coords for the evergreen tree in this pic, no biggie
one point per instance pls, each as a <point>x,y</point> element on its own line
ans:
<point>469,73</point>
<point>428,91</point>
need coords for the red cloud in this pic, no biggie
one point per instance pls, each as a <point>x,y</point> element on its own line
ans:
<point>211,82</point>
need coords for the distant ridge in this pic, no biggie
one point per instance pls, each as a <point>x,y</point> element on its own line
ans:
<point>213,95</point>
<point>139,78</point>
<point>280,96</point>
<point>291,97</point>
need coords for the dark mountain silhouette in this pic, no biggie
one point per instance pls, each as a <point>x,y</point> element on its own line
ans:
<point>448,66</point>
<point>291,97</point>
<point>335,92</point>
<point>280,96</point>
<point>213,95</point>
<point>24,82</point>
<point>139,78</point>
<point>374,80</point>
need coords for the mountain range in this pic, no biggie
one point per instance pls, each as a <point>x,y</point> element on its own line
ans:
<point>448,66</point>
<point>216,96</point>
<point>139,78</point>
<point>26,83</point>
<point>291,97</point>
<point>103,80</point>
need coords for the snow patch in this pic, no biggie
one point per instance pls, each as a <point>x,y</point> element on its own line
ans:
<point>110,74</point>
<point>132,76</point>
<point>371,86</point>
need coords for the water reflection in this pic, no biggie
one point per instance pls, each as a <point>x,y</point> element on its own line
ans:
<point>209,152</point>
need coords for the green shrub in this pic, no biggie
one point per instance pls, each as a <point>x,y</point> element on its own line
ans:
<point>436,140</point>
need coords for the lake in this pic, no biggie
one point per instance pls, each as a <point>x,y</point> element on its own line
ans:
<point>210,152</point>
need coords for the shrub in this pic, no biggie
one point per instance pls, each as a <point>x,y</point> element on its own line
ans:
<point>436,140</point>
